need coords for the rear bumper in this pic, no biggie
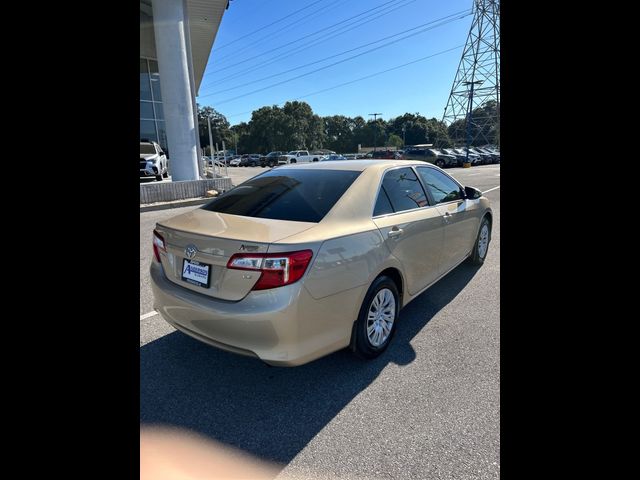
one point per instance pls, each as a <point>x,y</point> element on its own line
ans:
<point>283,326</point>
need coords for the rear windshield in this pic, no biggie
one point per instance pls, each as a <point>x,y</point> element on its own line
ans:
<point>295,195</point>
<point>147,148</point>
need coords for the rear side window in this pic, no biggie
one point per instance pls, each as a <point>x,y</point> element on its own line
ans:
<point>442,188</point>
<point>295,195</point>
<point>404,189</point>
<point>383,205</point>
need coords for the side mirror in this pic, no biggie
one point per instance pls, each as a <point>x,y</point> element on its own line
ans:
<point>472,193</point>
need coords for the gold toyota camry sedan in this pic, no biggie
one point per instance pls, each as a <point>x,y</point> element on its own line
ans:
<point>304,260</point>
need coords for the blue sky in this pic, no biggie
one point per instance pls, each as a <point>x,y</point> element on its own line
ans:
<point>257,28</point>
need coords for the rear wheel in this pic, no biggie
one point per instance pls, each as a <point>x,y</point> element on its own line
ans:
<point>165,174</point>
<point>377,319</point>
<point>482,243</point>
<point>159,178</point>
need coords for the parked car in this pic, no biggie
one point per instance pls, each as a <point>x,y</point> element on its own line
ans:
<point>474,158</point>
<point>386,154</point>
<point>299,156</point>
<point>485,158</point>
<point>270,159</point>
<point>431,155</point>
<point>495,156</point>
<point>350,156</point>
<point>332,157</point>
<point>235,162</point>
<point>153,161</point>
<point>250,160</point>
<point>303,260</point>
<point>460,158</point>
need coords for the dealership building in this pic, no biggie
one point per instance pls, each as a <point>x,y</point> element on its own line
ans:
<point>176,37</point>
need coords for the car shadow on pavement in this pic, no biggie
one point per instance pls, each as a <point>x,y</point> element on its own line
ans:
<point>270,412</point>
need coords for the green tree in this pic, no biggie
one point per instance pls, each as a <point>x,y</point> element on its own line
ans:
<point>338,132</point>
<point>394,141</point>
<point>220,128</point>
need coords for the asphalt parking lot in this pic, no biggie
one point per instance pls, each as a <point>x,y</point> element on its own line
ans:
<point>427,408</point>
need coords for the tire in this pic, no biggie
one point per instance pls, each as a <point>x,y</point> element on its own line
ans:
<point>439,163</point>
<point>382,289</point>
<point>315,159</point>
<point>293,160</point>
<point>159,178</point>
<point>165,174</point>
<point>480,253</point>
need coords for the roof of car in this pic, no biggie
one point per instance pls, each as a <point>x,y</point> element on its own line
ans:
<point>358,165</point>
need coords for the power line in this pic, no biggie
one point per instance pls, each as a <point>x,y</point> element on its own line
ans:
<point>336,63</point>
<point>366,77</point>
<point>268,25</point>
<point>308,45</point>
<point>336,55</point>
<point>272,34</point>
<point>323,30</point>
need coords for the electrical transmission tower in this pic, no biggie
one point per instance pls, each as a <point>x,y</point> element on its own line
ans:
<point>474,101</point>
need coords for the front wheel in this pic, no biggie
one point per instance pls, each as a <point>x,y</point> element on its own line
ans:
<point>165,174</point>
<point>482,243</point>
<point>439,163</point>
<point>377,318</point>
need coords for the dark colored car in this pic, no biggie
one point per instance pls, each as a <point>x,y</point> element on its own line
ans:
<point>386,154</point>
<point>495,156</point>
<point>250,160</point>
<point>431,155</point>
<point>485,158</point>
<point>474,158</point>
<point>270,159</point>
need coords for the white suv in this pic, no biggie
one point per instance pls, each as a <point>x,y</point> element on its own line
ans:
<point>153,161</point>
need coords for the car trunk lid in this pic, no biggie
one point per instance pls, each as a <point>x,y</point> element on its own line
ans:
<point>199,244</point>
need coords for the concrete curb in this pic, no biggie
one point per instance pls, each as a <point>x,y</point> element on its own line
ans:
<point>177,204</point>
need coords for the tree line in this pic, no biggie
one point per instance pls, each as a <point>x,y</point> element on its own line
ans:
<point>294,126</point>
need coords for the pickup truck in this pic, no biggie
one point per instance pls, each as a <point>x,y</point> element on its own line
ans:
<point>299,156</point>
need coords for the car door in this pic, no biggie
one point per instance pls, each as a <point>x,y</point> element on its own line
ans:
<point>460,216</point>
<point>412,229</point>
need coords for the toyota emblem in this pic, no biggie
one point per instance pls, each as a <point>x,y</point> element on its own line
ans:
<point>190,251</point>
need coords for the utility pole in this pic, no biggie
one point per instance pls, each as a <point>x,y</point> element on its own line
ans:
<point>375,117</point>
<point>469,114</point>
<point>210,137</point>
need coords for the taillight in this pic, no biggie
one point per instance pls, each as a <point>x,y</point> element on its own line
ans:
<point>277,269</point>
<point>158,245</point>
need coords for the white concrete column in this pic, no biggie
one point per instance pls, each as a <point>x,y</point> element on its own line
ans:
<point>177,97</point>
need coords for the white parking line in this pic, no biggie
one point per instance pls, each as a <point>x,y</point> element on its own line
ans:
<point>148,315</point>
<point>491,189</point>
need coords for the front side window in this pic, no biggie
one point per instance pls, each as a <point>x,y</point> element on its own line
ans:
<point>404,190</point>
<point>294,195</point>
<point>441,187</point>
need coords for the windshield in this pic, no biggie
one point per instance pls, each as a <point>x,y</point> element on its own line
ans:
<point>294,195</point>
<point>146,148</point>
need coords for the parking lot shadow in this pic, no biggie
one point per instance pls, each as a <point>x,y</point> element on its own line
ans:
<point>270,412</point>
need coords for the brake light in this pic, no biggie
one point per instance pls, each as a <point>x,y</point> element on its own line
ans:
<point>277,269</point>
<point>158,245</point>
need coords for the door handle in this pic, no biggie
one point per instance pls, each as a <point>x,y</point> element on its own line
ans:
<point>395,232</point>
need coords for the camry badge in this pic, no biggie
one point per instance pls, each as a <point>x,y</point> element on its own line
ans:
<point>190,251</point>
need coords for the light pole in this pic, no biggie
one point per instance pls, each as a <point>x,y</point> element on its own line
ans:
<point>210,140</point>
<point>469,113</point>
<point>375,117</point>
